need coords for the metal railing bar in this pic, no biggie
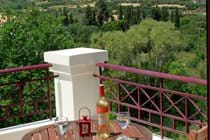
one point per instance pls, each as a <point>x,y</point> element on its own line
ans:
<point>25,68</point>
<point>152,88</point>
<point>28,81</point>
<point>155,112</point>
<point>153,73</point>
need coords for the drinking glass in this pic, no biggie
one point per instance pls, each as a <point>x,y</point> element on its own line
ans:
<point>123,121</point>
<point>62,126</point>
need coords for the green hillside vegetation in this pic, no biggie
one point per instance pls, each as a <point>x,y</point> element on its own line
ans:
<point>14,4</point>
<point>146,36</point>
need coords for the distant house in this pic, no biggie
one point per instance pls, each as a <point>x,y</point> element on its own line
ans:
<point>115,16</point>
<point>130,4</point>
<point>3,19</point>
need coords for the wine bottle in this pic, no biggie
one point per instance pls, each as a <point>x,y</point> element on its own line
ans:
<point>102,110</point>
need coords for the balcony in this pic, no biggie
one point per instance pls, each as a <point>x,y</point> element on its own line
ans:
<point>152,98</point>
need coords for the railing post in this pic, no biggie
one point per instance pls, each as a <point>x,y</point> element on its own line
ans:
<point>100,73</point>
<point>48,92</point>
<point>118,95</point>
<point>139,102</point>
<point>186,114</point>
<point>75,86</point>
<point>20,86</point>
<point>161,109</point>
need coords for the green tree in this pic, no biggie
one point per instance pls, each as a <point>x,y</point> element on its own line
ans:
<point>177,17</point>
<point>100,19</point>
<point>15,4</point>
<point>138,14</point>
<point>71,19</point>
<point>66,16</point>
<point>135,17</point>
<point>144,15</point>
<point>90,16</point>
<point>102,11</point>
<point>193,27</point>
<point>120,12</point>
<point>115,25</point>
<point>187,63</point>
<point>24,39</point>
<point>150,45</point>
<point>128,14</point>
<point>156,14</point>
<point>81,33</point>
<point>164,14</point>
<point>172,15</point>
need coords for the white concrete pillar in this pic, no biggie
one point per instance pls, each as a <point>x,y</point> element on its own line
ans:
<point>75,87</point>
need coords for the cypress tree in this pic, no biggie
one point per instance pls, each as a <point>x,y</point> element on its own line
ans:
<point>71,19</point>
<point>134,16</point>
<point>165,14</point>
<point>144,15</point>
<point>93,17</point>
<point>90,16</point>
<point>156,13</point>
<point>172,16</point>
<point>138,14</point>
<point>66,18</point>
<point>87,15</point>
<point>100,19</point>
<point>102,11</point>
<point>177,17</point>
<point>128,14</point>
<point>120,12</point>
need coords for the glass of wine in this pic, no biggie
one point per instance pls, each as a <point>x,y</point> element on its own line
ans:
<point>62,126</point>
<point>123,120</point>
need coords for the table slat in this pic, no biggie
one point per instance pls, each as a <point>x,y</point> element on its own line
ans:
<point>27,137</point>
<point>37,136</point>
<point>44,135</point>
<point>52,134</point>
<point>115,128</point>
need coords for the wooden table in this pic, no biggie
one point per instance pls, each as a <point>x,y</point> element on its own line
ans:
<point>49,132</point>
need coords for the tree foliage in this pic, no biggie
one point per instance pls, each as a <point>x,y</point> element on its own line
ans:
<point>175,17</point>
<point>29,35</point>
<point>115,25</point>
<point>150,45</point>
<point>102,12</point>
<point>156,14</point>
<point>90,16</point>
<point>80,33</point>
<point>170,41</point>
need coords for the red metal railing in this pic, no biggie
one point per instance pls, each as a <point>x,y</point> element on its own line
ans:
<point>25,94</point>
<point>155,105</point>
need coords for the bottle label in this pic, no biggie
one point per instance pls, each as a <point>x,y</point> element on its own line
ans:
<point>102,109</point>
<point>101,120</point>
